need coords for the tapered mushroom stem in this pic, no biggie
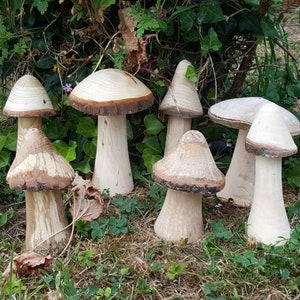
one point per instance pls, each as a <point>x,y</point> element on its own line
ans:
<point>26,123</point>
<point>177,126</point>
<point>46,223</point>
<point>239,183</point>
<point>180,217</point>
<point>268,222</point>
<point>112,165</point>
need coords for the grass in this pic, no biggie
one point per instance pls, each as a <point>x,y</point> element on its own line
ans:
<point>136,264</point>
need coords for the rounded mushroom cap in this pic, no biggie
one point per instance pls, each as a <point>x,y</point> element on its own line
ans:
<point>111,92</point>
<point>268,135</point>
<point>28,98</point>
<point>189,166</point>
<point>39,166</point>
<point>181,99</point>
<point>239,113</point>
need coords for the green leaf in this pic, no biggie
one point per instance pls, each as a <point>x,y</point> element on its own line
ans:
<point>220,231</point>
<point>4,158</point>
<point>191,74</point>
<point>210,12</point>
<point>67,151</point>
<point>45,62</point>
<point>149,159</point>
<point>83,166</point>
<point>2,141</point>
<point>210,42</point>
<point>90,148</point>
<point>4,217</point>
<point>174,270</point>
<point>104,3</point>
<point>55,129</point>
<point>87,127</point>
<point>11,141</point>
<point>152,143</point>
<point>187,19</point>
<point>153,125</point>
<point>41,5</point>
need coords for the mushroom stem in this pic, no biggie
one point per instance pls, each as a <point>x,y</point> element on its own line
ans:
<point>46,223</point>
<point>112,165</point>
<point>239,184</point>
<point>24,124</point>
<point>268,222</point>
<point>176,128</point>
<point>180,217</point>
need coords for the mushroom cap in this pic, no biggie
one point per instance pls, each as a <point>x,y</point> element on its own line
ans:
<point>268,135</point>
<point>111,92</point>
<point>181,99</point>
<point>239,113</point>
<point>189,166</point>
<point>28,98</point>
<point>38,165</point>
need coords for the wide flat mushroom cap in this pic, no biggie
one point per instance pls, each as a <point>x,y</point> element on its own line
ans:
<point>181,99</point>
<point>189,166</point>
<point>111,92</point>
<point>28,98</point>
<point>239,113</point>
<point>39,166</point>
<point>268,135</point>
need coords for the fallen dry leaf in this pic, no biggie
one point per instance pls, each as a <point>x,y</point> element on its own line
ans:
<point>28,263</point>
<point>88,202</point>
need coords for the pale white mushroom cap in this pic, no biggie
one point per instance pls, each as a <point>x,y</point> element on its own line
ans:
<point>189,166</point>
<point>111,92</point>
<point>181,99</point>
<point>239,113</point>
<point>38,165</point>
<point>269,135</point>
<point>28,98</point>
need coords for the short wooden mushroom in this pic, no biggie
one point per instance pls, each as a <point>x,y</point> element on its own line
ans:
<point>189,171</point>
<point>42,173</point>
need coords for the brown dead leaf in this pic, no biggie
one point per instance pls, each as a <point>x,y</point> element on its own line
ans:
<point>136,47</point>
<point>88,203</point>
<point>28,263</point>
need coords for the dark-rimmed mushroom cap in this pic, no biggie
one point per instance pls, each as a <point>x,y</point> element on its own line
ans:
<point>181,99</point>
<point>268,135</point>
<point>111,92</point>
<point>189,167</point>
<point>239,113</point>
<point>28,98</point>
<point>38,165</point>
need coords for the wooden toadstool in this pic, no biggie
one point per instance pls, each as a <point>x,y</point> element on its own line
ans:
<point>189,171</point>
<point>111,94</point>
<point>181,103</point>
<point>28,101</point>
<point>269,140</point>
<point>42,173</point>
<point>239,113</point>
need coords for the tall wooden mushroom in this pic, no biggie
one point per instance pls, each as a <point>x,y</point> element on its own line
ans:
<point>270,140</point>
<point>42,173</point>
<point>28,101</point>
<point>181,103</point>
<point>189,171</point>
<point>111,94</point>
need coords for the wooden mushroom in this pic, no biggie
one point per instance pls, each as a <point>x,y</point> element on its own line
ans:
<point>111,94</point>
<point>42,173</point>
<point>189,171</point>
<point>269,140</point>
<point>181,103</point>
<point>239,113</point>
<point>28,101</point>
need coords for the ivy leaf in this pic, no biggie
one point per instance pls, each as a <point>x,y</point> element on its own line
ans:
<point>4,159</point>
<point>153,125</point>
<point>67,151</point>
<point>90,148</point>
<point>187,19</point>
<point>87,127</point>
<point>210,12</point>
<point>210,42</point>
<point>2,141</point>
<point>191,74</point>
<point>55,130</point>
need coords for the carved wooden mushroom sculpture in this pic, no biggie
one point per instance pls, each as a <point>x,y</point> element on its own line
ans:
<point>189,171</point>
<point>28,101</point>
<point>42,173</point>
<point>239,113</point>
<point>181,103</point>
<point>270,140</point>
<point>111,94</point>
